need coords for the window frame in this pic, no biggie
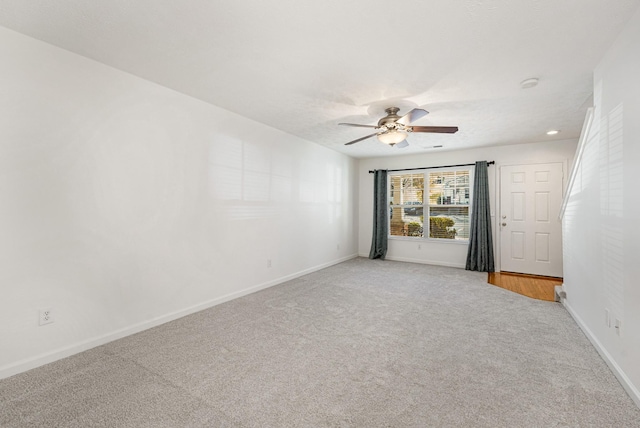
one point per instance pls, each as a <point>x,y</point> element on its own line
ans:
<point>426,206</point>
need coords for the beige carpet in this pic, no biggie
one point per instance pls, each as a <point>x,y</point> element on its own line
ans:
<point>361,344</point>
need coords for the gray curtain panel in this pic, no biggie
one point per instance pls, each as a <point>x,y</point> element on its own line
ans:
<point>480,253</point>
<point>380,214</point>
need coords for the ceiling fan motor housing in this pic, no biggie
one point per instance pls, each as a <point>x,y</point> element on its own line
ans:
<point>390,123</point>
<point>391,117</point>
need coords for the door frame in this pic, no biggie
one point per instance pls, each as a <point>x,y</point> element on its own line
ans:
<point>495,218</point>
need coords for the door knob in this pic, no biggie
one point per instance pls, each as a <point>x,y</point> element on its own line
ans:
<point>504,224</point>
<point>504,216</point>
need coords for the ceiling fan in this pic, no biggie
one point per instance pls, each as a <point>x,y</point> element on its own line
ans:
<point>393,129</point>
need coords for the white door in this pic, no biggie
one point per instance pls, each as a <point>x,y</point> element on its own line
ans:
<point>530,231</point>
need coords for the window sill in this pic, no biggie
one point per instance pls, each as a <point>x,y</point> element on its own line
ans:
<point>428,240</point>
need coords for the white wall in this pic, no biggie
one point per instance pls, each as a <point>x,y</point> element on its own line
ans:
<point>124,204</point>
<point>602,239</point>
<point>449,253</point>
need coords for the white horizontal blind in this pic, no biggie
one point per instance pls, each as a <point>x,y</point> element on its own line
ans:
<point>406,199</point>
<point>447,206</point>
<point>449,194</point>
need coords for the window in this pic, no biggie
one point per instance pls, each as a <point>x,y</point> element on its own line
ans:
<point>406,200</point>
<point>449,204</point>
<point>446,207</point>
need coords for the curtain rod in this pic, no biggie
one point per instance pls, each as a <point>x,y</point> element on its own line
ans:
<point>432,167</point>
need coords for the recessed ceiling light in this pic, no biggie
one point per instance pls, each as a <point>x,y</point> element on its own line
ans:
<point>529,83</point>
<point>553,132</point>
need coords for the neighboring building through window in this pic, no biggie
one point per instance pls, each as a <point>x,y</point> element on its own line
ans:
<point>446,205</point>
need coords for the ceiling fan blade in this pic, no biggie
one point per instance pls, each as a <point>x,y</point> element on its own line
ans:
<point>360,139</point>
<point>412,116</point>
<point>402,144</point>
<point>437,129</point>
<point>358,125</point>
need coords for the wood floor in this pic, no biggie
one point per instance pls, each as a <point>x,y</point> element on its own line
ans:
<point>536,287</point>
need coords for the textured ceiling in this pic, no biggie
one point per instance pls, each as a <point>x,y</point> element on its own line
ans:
<point>304,66</point>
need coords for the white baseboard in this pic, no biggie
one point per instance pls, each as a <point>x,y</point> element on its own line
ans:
<point>421,261</point>
<point>624,380</point>
<point>49,357</point>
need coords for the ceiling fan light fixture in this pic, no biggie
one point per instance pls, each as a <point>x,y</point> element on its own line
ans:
<point>392,137</point>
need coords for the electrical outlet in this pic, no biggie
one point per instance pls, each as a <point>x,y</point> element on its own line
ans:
<point>268,263</point>
<point>45,316</point>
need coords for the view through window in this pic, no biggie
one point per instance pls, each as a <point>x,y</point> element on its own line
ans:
<point>446,204</point>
